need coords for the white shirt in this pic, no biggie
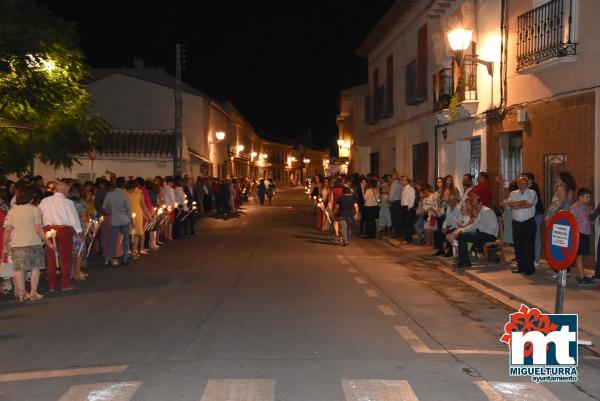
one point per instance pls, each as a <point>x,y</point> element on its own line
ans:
<point>486,222</point>
<point>180,197</point>
<point>527,213</point>
<point>465,195</point>
<point>395,191</point>
<point>57,210</point>
<point>408,196</point>
<point>168,195</point>
<point>453,217</point>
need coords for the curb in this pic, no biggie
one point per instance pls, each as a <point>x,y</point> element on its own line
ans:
<point>491,291</point>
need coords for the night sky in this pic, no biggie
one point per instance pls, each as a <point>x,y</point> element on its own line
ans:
<point>282,63</point>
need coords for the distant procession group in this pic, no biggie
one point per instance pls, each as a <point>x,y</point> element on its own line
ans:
<point>454,221</point>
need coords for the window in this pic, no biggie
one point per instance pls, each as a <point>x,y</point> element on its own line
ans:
<point>388,104</point>
<point>421,162</point>
<point>510,154</point>
<point>391,159</point>
<point>375,80</point>
<point>553,164</point>
<point>375,164</point>
<point>443,88</point>
<point>416,71</point>
<point>475,163</point>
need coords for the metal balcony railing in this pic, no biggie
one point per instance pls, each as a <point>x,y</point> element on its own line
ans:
<point>545,33</point>
<point>443,88</point>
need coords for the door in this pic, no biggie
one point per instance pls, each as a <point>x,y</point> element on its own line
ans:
<point>421,162</point>
<point>375,164</point>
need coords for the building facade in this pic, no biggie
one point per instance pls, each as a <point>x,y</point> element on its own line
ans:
<point>427,104</point>
<point>353,135</point>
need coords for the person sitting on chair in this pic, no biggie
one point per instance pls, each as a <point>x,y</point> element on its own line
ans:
<point>484,229</point>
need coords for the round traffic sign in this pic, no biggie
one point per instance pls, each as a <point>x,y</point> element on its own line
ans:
<point>562,240</point>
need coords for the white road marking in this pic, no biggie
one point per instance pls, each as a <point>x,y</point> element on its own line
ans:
<point>522,391</point>
<point>239,390</point>
<point>372,293</point>
<point>386,310</point>
<point>122,391</point>
<point>342,259</point>
<point>352,270</point>
<point>378,390</point>
<point>50,374</point>
<point>420,347</point>
<point>360,280</point>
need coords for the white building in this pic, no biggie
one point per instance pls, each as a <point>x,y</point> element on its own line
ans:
<point>413,75</point>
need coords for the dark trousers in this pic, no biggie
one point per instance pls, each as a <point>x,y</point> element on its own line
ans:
<point>440,239</point>
<point>477,238</point>
<point>363,220</point>
<point>261,198</point>
<point>370,214</point>
<point>178,227</point>
<point>396,212</point>
<point>407,216</point>
<point>598,260</point>
<point>524,239</point>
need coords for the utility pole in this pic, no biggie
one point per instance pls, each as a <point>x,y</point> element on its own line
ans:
<point>178,111</point>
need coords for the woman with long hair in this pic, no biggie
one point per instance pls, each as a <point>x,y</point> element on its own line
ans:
<point>371,208</point>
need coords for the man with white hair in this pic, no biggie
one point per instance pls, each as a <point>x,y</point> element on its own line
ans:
<point>59,214</point>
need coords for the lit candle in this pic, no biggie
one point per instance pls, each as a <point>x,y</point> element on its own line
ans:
<point>133,215</point>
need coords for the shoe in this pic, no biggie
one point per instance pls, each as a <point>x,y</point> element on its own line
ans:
<point>143,252</point>
<point>585,281</point>
<point>461,265</point>
<point>448,254</point>
<point>51,289</point>
<point>125,263</point>
<point>34,296</point>
<point>154,248</point>
<point>438,253</point>
<point>516,271</point>
<point>529,273</point>
<point>68,288</point>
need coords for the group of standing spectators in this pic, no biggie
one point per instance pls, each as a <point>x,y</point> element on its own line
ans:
<point>54,226</point>
<point>454,219</point>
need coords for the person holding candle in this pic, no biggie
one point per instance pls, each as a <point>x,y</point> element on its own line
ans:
<point>59,214</point>
<point>23,230</point>
<point>117,204</point>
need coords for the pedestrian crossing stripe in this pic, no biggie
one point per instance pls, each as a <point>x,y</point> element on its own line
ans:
<point>353,389</point>
<point>122,391</point>
<point>378,390</point>
<point>239,390</point>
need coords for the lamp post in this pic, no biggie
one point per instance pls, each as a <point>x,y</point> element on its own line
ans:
<point>220,135</point>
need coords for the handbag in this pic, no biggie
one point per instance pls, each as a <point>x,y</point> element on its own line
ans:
<point>432,220</point>
<point>6,268</point>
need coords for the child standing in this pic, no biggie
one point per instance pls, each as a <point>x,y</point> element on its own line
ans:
<point>582,211</point>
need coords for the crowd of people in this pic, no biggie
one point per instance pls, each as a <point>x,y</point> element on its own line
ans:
<point>455,220</point>
<point>54,226</point>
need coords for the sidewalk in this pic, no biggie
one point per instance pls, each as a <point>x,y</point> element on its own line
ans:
<point>539,290</point>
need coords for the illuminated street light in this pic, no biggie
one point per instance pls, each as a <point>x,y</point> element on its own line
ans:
<point>340,142</point>
<point>460,39</point>
<point>293,159</point>
<point>220,135</point>
<point>240,148</point>
<point>306,161</point>
<point>253,155</point>
<point>265,156</point>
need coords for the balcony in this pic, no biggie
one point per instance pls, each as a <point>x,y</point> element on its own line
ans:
<point>370,116</point>
<point>544,34</point>
<point>443,88</point>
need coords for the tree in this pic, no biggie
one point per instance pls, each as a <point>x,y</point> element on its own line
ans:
<point>41,90</point>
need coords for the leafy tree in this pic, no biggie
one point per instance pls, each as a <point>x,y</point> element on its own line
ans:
<point>41,89</point>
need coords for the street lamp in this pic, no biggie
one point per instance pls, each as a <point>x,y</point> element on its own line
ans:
<point>293,159</point>
<point>340,142</point>
<point>220,135</point>
<point>253,154</point>
<point>306,161</point>
<point>240,148</point>
<point>460,40</point>
<point>265,156</point>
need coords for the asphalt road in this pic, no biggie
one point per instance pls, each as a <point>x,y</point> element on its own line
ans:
<point>262,307</point>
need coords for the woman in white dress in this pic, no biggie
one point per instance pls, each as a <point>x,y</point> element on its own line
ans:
<point>385,217</point>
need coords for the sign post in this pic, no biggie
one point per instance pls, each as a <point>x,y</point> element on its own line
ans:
<point>562,244</point>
